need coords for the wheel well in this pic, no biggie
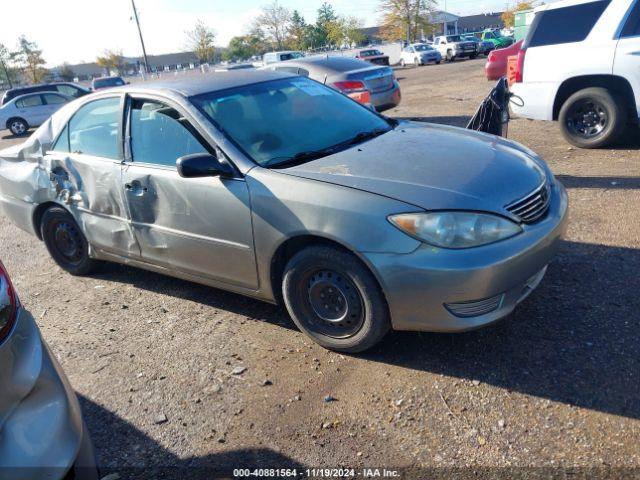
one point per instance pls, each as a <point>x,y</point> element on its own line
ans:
<point>289,248</point>
<point>37,216</point>
<point>613,83</point>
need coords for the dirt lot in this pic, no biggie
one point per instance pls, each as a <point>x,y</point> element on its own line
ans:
<point>554,385</point>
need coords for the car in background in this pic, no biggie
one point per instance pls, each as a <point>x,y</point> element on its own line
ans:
<point>30,110</point>
<point>283,56</point>
<point>580,65</point>
<point>484,47</point>
<point>233,66</point>
<point>367,84</point>
<point>374,56</point>
<point>419,54</point>
<point>496,66</point>
<point>41,426</point>
<point>106,82</point>
<point>452,47</point>
<point>66,88</point>
<point>495,37</point>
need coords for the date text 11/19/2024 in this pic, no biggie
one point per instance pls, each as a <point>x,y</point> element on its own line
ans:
<point>316,473</point>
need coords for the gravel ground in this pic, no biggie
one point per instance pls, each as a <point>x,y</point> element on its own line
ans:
<point>154,359</point>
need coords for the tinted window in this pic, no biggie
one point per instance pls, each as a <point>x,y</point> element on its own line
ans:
<point>62,143</point>
<point>632,26</point>
<point>274,121</point>
<point>564,25</point>
<point>30,101</point>
<point>160,135</point>
<point>53,99</point>
<point>69,90</point>
<point>93,130</point>
<point>108,82</point>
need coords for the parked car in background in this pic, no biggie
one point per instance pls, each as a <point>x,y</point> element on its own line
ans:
<point>454,46</point>
<point>30,110</point>
<point>106,82</point>
<point>419,54</point>
<point>275,186</point>
<point>373,55</point>
<point>495,37</point>
<point>41,427</point>
<point>66,88</point>
<point>368,84</point>
<point>580,65</point>
<point>275,57</point>
<point>484,47</point>
<point>496,65</point>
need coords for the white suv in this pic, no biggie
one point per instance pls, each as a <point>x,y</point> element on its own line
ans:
<point>580,65</point>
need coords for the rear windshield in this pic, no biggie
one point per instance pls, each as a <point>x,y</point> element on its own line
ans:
<point>108,82</point>
<point>564,25</point>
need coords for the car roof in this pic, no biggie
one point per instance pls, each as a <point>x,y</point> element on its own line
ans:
<point>40,85</point>
<point>32,94</point>
<point>211,82</point>
<point>332,64</point>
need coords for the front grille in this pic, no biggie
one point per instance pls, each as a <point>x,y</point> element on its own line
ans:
<point>475,308</point>
<point>532,207</point>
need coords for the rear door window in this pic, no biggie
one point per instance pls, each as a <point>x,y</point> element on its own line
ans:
<point>564,25</point>
<point>30,101</point>
<point>53,99</point>
<point>93,130</point>
<point>632,25</point>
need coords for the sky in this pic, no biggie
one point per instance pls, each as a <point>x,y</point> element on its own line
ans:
<point>78,31</point>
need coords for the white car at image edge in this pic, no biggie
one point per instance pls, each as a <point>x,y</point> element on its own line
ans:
<point>30,110</point>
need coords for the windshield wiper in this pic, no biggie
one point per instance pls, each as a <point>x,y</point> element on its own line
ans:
<point>279,162</point>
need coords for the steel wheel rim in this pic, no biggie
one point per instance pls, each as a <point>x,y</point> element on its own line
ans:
<point>334,305</point>
<point>68,242</point>
<point>587,119</point>
<point>18,128</point>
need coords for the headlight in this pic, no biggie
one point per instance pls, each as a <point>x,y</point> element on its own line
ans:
<point>455,229</point>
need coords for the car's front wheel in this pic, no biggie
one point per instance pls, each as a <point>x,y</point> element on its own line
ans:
<point>592,118</point>
<point>403,63</point>
<point>333,298</point>
<point>450,56</point>
<point>65,242</point>
<point>18,126</point>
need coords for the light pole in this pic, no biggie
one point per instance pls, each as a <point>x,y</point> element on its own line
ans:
<point>444,16</point>
<point>144,52</point>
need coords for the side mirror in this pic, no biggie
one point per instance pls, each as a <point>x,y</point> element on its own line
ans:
<point>202,165</point>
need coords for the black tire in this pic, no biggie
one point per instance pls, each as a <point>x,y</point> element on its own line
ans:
<point>18,126</point>
<point>416,62</point>
<point>593,118</point>
<point>356,316</point>
<point>437,62</point>
<point>450,56</point>
<point>65,242</point>
<point>473,56</point>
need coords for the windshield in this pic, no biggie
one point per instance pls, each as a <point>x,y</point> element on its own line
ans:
<point>370,53</point>
<point>108,82</point>
<point>422,47</point>
<point>290,120</point>
<point>290,56</point>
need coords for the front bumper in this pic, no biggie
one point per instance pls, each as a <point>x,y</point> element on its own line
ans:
<point>430,58</point>
<point>388,99</point>
<point>42,434</point>
<point>421,287</point>
<point>465,53</point>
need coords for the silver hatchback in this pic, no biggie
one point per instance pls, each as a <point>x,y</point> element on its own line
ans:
<point>278,187</point>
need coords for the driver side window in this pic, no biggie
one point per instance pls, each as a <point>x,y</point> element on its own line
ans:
<point>160,134</point>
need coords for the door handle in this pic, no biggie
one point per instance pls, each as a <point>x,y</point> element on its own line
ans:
<point>135,188</point>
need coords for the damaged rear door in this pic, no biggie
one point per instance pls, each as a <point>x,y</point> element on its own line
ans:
<point>200,226</point>
<point>85,168</point>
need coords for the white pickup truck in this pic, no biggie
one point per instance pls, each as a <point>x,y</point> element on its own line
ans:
<point>454,46</point>
<point>580,65</point>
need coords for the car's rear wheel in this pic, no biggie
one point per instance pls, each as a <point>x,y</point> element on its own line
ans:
<point>18,126</point>
<point>333,298</point>
<point>450,56</point>
<point>473,56</point>
<point>416,62</point>
<point>592,118</point>
<point>65,242</point>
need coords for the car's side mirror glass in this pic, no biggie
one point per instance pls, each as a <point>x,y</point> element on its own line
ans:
<point>202,165</point>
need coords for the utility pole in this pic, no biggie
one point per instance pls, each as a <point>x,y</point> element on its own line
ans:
<point>444,16</point>
<point>144,52</point>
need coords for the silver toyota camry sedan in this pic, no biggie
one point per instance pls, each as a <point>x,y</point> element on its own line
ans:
<point>42,435</point>
<point>275,186</point>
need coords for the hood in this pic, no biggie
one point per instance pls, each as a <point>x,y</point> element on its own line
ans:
<point>433,167</point>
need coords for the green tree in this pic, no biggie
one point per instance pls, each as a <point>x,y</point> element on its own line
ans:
<point>112,60</point>
<point>245,46</point>
<point>66,72</point>
<point>7,72</point>
<point>201,41</point>
<point>353,33</point>
<point>274,22</point>
<point>406,19</point>
<point>298,32</point>
<point>28,58</point>
<point>325,21</point>
<point>508,16</point>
